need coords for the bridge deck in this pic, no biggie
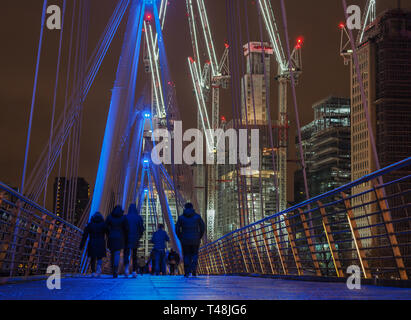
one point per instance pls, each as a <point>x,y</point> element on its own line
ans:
<point>201,288</point>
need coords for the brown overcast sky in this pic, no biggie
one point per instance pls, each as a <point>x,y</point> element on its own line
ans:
<point>316,20</point>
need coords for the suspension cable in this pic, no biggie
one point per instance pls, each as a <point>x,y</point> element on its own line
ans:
<point>54,102</point>
<point>33,100</point>
<point>297,115</point>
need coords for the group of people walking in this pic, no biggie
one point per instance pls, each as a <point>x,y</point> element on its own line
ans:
<point>123,232</point>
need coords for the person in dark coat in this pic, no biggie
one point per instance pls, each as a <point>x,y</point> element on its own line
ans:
<point>95,231</point>
<point>135,232</point>
<point>117,230</point>
<point>173,261</point>
<point>151,262</point>
<point>159,239</point>
<point>190,229</point>
<point>141,264</point>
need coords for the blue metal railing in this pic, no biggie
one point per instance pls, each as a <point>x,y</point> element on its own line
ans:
<point>363,223</point>
<point>32,238</point>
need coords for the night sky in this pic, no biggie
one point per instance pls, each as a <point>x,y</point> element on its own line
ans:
<point>316,20</point>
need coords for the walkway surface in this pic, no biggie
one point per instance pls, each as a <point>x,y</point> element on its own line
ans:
<point>200,288</point>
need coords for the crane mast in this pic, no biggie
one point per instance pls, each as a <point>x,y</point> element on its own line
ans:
<point>152,62</point>
<point>211,77</point>
<point>283,77</point>
<point>219,76</point>
<point>369,16</point>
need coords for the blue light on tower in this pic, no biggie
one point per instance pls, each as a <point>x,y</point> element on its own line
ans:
<point>147,115</point>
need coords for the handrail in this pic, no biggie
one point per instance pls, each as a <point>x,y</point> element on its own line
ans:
<point>365,223</point>
<point>404,163</point>
<point>26,200</point>
<point>33,238</point>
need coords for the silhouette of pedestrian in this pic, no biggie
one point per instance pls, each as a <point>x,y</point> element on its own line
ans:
<point>117,230</point>
<point>135,232</point>
<point>190,229</point>
<point>96,248</point>
<point>159,239</point>
<point>173,261</point>
<point>141,264</point>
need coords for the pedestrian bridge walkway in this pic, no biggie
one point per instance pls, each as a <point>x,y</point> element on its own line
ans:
<point>149,287</point>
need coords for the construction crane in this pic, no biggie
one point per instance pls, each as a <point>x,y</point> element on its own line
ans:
<point>213,76</point>
<point>369,16</point>
<point>152,62</point>
<point>283,77</point>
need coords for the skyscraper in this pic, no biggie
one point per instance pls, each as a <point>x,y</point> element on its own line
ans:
<point>326,146</point>
<point>255,82</point>
<point>71,197</point>
<point>385,65</point>
<point>243,199</point>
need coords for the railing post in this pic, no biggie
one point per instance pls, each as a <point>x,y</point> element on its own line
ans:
<point>310,242</point>
<point>356,236</point>
<point>258,250</point>
<point>49,234</point>
<point>386,214</point>
<point>3,249</point>
<point>58,236</point>
<point>233,255</point>
<point>331,242</point>
<point>242,254</point>
<point>250,253</point>
<point>217,260</point>
<point>293,247</point>
<point>62,246</point>
<point>222,260</point>
<point>13,236</point>
<point>215,266</point>
<point>268,251</point>
<point>35,245</point>
<point>278,245</point>
<point>209,261</point>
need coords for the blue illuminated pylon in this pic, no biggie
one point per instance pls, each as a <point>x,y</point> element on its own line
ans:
<point>120,101</point>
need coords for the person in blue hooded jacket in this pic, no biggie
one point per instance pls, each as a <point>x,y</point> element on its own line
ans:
<point>160,239</point>
<point>190,229</point>
<point>135,232</point>
<point>117,234</point>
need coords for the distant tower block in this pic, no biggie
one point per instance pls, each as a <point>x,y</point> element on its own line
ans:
<point>254,82</point>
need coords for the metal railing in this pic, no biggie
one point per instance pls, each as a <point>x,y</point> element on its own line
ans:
<point>366,223</point>
<point>32,238</point>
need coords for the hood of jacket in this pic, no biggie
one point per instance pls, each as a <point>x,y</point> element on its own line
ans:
<point>117,212</point>
<point>132,209</point>
<point>97,218</point>
<point>189,212</point>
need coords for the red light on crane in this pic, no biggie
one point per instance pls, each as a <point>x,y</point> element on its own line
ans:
<point>223,119</point>
<point>341,25</point>
<point>300,42</point>
<point>227,45</point>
